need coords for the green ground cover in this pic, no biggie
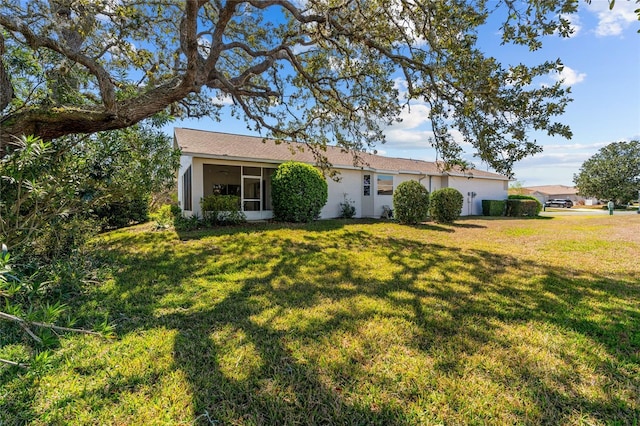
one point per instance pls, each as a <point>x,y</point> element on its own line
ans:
<point>487,321</point>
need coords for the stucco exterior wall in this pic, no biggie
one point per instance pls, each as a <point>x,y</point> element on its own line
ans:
<point>485,189</point>
<point>351,184</point>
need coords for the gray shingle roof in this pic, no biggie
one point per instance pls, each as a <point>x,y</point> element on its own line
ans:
<point>202,143</point>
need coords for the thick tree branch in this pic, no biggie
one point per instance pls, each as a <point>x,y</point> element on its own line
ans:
<point>6,89</point>
<point>107,88</point>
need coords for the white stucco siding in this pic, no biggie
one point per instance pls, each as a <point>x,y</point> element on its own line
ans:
<point>485,189</point>
<point>350,185</point>
<point>432,183</point>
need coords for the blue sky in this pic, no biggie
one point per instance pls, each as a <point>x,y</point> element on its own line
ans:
<point>602,66</point>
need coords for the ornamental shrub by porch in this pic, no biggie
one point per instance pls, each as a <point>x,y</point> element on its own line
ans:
<point>445,205</point>
<point>411,202</point>
<point>299,191</point>
<point>222,209</point>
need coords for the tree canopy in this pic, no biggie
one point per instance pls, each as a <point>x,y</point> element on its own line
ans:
<point>315,71</point>
<point>613,173</point>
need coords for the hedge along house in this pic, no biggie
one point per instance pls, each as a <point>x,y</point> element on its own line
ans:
<point>228,164</point>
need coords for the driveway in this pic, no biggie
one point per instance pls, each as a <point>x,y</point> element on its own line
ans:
<point>584,212</point>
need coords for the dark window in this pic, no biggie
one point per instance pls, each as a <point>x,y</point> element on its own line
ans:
<point>366,186</point>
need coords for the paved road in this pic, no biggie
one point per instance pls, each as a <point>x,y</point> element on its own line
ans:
<point>585,212</point>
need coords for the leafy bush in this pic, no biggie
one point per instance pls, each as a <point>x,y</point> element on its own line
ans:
<point>522,207</point>
<point>493,207</point>
<point>347,209</point>
<point>222,209</point>
<point>39,185</point>
<point>124,212</point>
<point>528,197</point>
<point>411,202</point>
<point>164,216</point>
<point>186,223</point>
<point>299,191</point>
<point>445,205</point>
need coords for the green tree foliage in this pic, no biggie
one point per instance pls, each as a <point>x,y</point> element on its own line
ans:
<point>315,71</point>
<point>48,187</point>
<point>299,191</point>
<point>613,173</point>
<point>411,202</point>
<point>39,187</point>
<point>445,205</point>
<point>124,168</point>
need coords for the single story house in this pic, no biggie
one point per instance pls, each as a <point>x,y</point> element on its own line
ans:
<point>222,163</point>
<point>545,193</point>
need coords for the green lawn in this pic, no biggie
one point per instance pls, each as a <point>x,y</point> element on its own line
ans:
<point>353,322</point>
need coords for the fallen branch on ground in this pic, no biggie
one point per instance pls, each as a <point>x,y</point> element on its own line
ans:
<point>26,324</point>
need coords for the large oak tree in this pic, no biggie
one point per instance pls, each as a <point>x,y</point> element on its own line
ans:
<point>613,173</point>
<point>318,71</point>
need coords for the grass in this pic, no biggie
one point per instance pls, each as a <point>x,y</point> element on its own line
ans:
<point>488,321</point>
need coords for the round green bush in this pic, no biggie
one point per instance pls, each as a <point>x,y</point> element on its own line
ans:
<point>411,202</point>
<point>299,191</point>
<point>445,205</point>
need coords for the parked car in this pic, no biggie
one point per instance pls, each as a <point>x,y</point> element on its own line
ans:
<point>559,202</point>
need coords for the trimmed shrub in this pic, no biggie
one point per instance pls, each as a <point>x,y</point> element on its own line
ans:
<point>411,202</point>
<point>528,197</point>
<point>519,208</point>
<point>222,209</point>
<point>445,205</point>
<point>298,192</point>
<point>493,207</point>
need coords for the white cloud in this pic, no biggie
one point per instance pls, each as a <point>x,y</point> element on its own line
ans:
<point>575,23</point>
<point>222,99</point>
<point>569,76</point>
<point>413,116</point>
<point>413,132</point>
<point>613,22</point>
<point>576,147</point>
<point>556,164</point>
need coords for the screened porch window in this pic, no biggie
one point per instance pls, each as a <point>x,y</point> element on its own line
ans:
<point>251,184</point>
<point>221,180</point>
<point>186,190</point>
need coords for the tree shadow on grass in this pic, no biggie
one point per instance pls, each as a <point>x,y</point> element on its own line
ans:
<point>295,330</point>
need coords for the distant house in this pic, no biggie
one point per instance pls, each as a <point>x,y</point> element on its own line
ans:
<point>222,163</point>
<point>550,192</point>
